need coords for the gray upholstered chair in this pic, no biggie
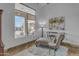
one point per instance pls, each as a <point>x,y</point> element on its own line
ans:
<point>56,45</point>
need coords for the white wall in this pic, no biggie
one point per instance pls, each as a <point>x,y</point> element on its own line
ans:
<point>71,14</point>
<point>7,24</point>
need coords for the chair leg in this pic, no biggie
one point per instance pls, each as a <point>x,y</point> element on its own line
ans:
<point>36,45</point>
<point>49,50</point>
<point>54,52</point>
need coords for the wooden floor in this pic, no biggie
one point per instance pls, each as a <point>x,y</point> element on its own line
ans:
<point>16,49</point>
<point>73,50</point>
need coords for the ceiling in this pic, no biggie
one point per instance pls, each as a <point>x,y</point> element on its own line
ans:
<point>36,5</point>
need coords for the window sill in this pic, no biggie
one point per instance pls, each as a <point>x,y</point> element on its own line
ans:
<point>20,37</point>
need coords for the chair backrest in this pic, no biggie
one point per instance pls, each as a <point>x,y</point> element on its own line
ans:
<point>61,37</point>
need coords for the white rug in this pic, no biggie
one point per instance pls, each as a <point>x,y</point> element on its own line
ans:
<point>39,51</point>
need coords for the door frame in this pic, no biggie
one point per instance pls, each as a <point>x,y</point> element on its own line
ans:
<point>1,43</point>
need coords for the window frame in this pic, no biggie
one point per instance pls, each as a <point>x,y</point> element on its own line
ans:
<point>34,18</point>
<point>25,15</point>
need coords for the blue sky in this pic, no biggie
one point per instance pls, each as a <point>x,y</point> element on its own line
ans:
<point>18,21</point>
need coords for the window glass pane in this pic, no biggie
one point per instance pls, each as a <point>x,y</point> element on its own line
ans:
<point>31,26</point>
<point>19,26</point>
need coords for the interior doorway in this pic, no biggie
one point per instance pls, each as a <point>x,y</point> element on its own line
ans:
<point>1,43</point>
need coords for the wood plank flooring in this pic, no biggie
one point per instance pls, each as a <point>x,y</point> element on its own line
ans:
<point>16,49</point>
<point>73,50</point>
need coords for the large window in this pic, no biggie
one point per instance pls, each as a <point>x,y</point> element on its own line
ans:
<point>24,20</point>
